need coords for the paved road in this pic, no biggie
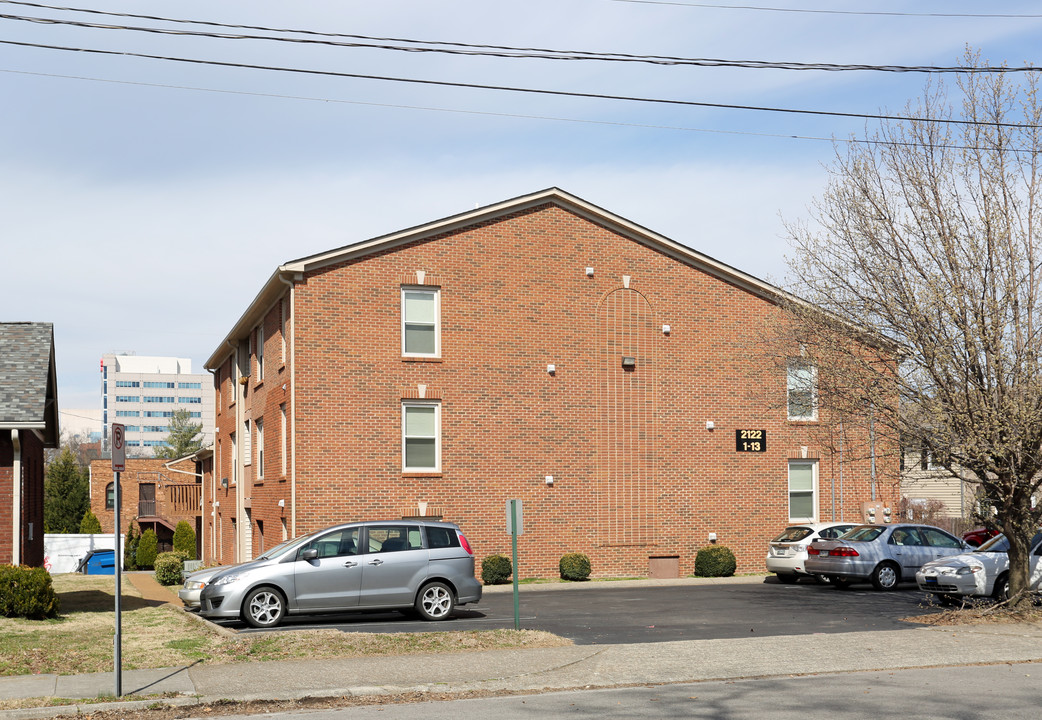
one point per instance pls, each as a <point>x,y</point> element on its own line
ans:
<point>659,614</point>
<point>1010,692</point>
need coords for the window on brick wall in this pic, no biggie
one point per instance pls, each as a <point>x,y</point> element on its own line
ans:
<point>421,310</point>
<point>803,496</point>
<point>802,385</point>
<point>110,496</point>
<point>283,434</point>
<point>260,352</point>
<point>421,441</point>
<point>260,448</point>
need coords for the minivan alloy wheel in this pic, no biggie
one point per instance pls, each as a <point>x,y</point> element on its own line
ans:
<point>435,601</point>
<point>264,608</point>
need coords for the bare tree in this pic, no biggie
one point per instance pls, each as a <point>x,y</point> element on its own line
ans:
<point>925,237</point>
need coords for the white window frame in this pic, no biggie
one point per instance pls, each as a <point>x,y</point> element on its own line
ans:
<point>260,352</point>
<point>437,436</point>
<point>284,434</point>
<point>247,443</point>
<point>813,492</point>
<point>259,425</point>
<point>436,293</point>
<point>283,326</point>
<point>795,365</point>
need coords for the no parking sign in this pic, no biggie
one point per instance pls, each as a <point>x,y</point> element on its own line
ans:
<point>119,448</point>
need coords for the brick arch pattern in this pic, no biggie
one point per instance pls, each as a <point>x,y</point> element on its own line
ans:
<point>626,494</point>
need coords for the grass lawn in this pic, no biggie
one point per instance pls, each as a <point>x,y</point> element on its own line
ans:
<point>80,640</point>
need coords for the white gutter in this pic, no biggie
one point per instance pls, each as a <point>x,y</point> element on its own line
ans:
<point>16,487</point>
<point>291,325</point>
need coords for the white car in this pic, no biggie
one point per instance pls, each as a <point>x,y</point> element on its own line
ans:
<point>787,553</point>
<point>981,573</point>
<point>194,584</point>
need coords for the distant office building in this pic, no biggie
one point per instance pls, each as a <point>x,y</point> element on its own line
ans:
<point>142,393</point>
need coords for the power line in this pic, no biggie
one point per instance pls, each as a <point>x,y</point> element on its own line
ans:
<point>501,51</point>
<point>506,88</point>
<point>884,13</point>
<point>521,116</point>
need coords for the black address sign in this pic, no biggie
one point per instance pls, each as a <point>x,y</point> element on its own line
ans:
<point>750,440</point>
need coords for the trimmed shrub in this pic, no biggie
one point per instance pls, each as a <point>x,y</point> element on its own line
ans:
<point>170,567</point>
<point>27,592</point>
<point>147,548</point>
<point>184,540</point>
<point>715,561</point>
<point>90,525</point>
<point>496,569</point>
<point>574,566</point>
<point>130,548</point>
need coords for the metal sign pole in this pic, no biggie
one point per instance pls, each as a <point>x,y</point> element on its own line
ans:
<point>119,461</point>
<point>513,542</point>
<point>118,640</point>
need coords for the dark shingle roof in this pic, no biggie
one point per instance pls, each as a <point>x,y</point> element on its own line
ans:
<point>28,392</point>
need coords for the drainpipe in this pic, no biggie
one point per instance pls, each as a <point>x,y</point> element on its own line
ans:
<point>292,347</point>
<point>16,486</point>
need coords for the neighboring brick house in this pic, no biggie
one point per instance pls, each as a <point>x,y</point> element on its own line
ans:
<point>543,349</point>
<point>28,425</point>
<point>155,494</point>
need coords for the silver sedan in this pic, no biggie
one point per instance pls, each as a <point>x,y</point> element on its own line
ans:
<point>881,554</point>
<point>981,573</point>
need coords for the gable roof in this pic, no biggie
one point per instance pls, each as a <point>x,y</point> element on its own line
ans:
<point>28,380</point>
<point>294,270</point>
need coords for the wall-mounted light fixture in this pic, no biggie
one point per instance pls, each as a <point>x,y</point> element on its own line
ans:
<point>282,503</point>
<point>589,271</point>
<point>551,368</point>
<point>629,362</point>
<point>712,537</point>
<point>710,425</point>
<point>549,480</point>
<point>666,329</point>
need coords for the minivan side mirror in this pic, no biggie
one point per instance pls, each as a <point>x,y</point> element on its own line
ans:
<point>309,554</point>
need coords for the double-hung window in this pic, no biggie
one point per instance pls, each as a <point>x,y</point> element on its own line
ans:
<point>421,332</point>
<point>259,425</point>
<point>802,386</point>
<point>802,491</point>
<point>421,437</point>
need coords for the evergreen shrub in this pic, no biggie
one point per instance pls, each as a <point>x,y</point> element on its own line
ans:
<point>170,568</point>
<point>90,525</point>
<point>574,566</point>
<point>27,592</point>
<point>147,549</point>
<point>496,569</point>
<point>184,539</point>
<point>715,561</point>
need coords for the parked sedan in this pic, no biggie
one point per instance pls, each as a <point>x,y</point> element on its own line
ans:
<point>787,553</point>
<point>395,565</point>
<point>981,573</point>
<point>881,554</point>
<point>194,584</point>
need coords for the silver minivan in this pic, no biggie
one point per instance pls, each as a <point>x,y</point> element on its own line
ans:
<point>389,565</point>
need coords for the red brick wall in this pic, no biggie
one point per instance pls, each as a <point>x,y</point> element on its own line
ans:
<point>636,472</point>
<point>6,496</point>
<point>138,471</point>
<point>32,465</point>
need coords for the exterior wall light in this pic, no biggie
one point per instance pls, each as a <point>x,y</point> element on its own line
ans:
<point>629,362</point>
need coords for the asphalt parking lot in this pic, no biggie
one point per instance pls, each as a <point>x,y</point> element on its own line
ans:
<point>602,614</point>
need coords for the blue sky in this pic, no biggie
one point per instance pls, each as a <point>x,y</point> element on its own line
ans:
<point>144,202</point>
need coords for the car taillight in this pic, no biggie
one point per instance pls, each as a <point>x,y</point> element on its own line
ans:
<point>843,552</point>
<point>464,543</point>
<point>813,551</point>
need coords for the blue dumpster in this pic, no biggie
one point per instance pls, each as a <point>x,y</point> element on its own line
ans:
<point>101,562</point>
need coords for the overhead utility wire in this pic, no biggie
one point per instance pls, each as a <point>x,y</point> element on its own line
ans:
<point>887,13</point>
<point>431,108</point>
<point>504,51</point>
<point>507,88</point>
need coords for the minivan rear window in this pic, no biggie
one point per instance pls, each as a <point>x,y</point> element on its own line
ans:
<point>440,537</point>
<point>793,534</point>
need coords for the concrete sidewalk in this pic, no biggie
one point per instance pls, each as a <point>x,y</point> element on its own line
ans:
<point>541,669</point>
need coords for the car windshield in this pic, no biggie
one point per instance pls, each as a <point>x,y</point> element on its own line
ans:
<point>284,546</point>
<point>793,534</point>
<point>863,533</point>
<point>999,544</point>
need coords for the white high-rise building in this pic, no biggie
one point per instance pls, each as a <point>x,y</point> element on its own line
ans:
<point>142,393</point>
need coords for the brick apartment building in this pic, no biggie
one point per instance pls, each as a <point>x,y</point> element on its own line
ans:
<point>543,349</point>
<point>28,426</point>
<point>155,494</point>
